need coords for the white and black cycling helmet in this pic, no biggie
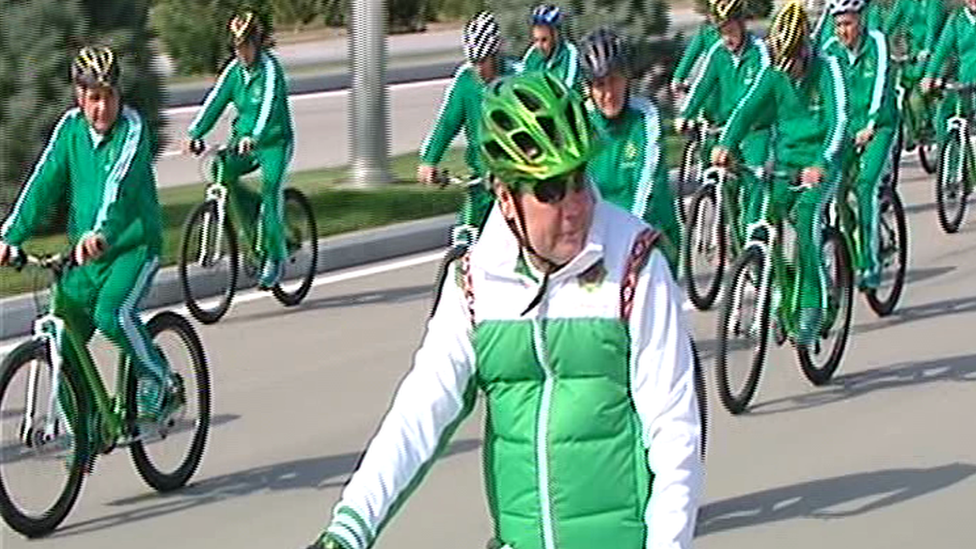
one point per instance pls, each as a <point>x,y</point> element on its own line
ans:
<point>603,51</point>
<point>845,6</point>
<point>547,15</point>
<point>481,37</point>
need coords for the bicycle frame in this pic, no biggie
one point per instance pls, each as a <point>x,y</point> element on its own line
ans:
<point>960,123</point>
<point>218,191</point>
<point>56,332</point>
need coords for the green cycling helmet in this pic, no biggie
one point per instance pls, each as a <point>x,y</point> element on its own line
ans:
<point>533,128</point>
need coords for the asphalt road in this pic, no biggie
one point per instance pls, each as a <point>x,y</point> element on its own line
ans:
<point>883,458</point>
<point>321,129</point>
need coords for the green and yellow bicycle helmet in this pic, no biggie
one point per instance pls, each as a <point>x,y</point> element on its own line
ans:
<point>787,34</point>
<point>533,129</point>
<point>724,10</point>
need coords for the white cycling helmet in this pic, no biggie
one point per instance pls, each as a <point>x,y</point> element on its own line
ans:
<point>845,6</point>
<point>481,37</point>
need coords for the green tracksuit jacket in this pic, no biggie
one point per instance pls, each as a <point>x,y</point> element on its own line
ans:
<point>705,38</point>
<point>564,63</point>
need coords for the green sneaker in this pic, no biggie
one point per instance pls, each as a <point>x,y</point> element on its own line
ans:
<point>808,330</point>
<point>270,275</point>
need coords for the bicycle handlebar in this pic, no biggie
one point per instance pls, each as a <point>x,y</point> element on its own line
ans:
<point>443,178</point>
<point>56,262</point>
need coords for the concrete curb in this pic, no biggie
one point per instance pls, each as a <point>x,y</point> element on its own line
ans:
<point>338,252</point>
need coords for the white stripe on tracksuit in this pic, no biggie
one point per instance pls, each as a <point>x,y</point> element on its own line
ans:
<point>131,324</point>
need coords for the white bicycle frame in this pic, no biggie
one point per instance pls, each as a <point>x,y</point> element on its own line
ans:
<point>459,232</point>
<point>217,194</point>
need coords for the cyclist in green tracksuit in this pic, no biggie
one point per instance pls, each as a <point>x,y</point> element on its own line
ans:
<point>958,42</point>
<point>916,24</point>
<point>802,94</point>
<point>874,17</point>
<point>630,169</point>
<point>702,41</point>
<point>99,159</point>
<point>873,116</point>
<point>551,50</point>
<point>565,321</point>
<point>262,135</point>
<point>731,66</point>
<point>461,110</point>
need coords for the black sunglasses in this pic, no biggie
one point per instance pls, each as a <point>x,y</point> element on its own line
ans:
<point>554,189</point>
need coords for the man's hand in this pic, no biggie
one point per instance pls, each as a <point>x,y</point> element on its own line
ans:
<point>426,173</point>
<point>245,146</point>
<point>6,253</point>
<point>864,136</point>
<point>90,247</point>
<point>927,84</point>
<point>679,88</point>
<point>810,177</point>
<point>679,125</point>
<point>193,146</point>
<point>720,156</point>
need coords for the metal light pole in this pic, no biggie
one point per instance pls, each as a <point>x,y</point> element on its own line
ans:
<point>369,123</point>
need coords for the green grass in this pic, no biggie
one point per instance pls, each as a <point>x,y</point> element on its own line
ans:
<point>338,208</point>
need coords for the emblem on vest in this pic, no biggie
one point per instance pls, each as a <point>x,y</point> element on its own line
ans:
<point>593,278</point>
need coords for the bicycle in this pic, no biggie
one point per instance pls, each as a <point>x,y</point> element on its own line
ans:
<point>693,162</point>
<point>210,239</point>
<point>922,138</point>
<point>68,417</point>
<point>954,181</point>
<point>464,233</point>
<point>763,280</point>
<point>892,236</point>
<point>710,233</point>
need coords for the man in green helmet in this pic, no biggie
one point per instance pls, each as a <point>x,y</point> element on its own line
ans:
<point>566,317</point>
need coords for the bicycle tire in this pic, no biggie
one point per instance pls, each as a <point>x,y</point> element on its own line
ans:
<point>885,306</point>
<point>704,300</point>
<point>845,275</point>
<point>159,480</point>
<point>290,299</point>
<point>227,295</point>
<point>950,221</point>
<point>50,519</point>
<point>688,172</point>
<point>701,391</point>
<point>737,402</point>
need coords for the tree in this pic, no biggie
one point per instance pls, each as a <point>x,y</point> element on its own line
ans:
<point>755,9</point>
<point>644,22</point>
<point>38,40</point>
<point>194,32</point>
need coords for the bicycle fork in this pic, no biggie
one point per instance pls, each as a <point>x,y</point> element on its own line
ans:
<point>209,255</point>
<point>48,328</point>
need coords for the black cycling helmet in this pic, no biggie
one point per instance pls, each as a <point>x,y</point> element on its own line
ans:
<point>603,51</point>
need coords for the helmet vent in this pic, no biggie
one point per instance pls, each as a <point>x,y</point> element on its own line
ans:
<point>504,121</point>
<point>496,152</point>
<point>527,145</point>
<point>549,126</point>
<point>528,100</point>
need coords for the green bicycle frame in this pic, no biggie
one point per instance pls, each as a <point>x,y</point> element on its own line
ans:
<point>110,411</point>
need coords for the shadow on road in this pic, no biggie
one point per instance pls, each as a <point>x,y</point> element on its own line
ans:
<point>955,306</point>
<point>848,386</point>
<point>314,473</point>
<point>393,295</point>
<point>831,498</point>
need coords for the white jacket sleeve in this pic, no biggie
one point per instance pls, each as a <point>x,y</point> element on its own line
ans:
<point>666,401</point>
<point>430,403</point>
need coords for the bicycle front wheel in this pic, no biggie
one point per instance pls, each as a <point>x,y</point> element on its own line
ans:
<point>689,173</point>
<point>301,241</point>
<point>705,249</point>
<point>950,183</point>
<point>167,454</point>
<point>820,360</point>
<point>42,458</point>
<point>743,332</point>
<point>208,264</point>
<point>892,253</point>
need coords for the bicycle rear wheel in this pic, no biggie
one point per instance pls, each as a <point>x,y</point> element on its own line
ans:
<point>163,465</point>
<point>30,502</point>
<point>301,240</point>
